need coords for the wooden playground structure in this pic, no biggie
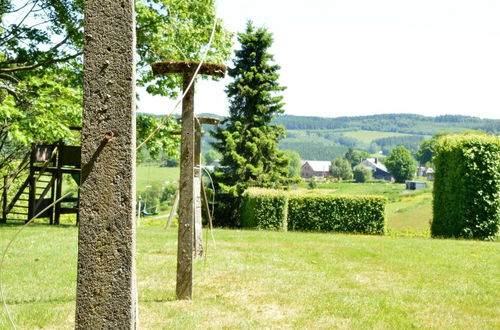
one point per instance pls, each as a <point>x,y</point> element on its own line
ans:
<point>45,166</point>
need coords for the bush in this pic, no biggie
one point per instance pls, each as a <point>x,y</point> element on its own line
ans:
<point>350,214</point>
<point>168,193</point>
<point>362,174</point>
<point>467,187</point>
<point>264,209</point>
<point>312,184</point>
<point>280,210</point>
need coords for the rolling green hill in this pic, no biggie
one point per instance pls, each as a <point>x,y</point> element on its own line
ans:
<point>318,138</point>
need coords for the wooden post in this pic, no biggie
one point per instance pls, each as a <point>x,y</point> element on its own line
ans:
<point>5,194</point>
<point>184,287</point>
<point>58,186</point>
<point>32,187</point>
<point>106,289</point>
<point>186,237</point>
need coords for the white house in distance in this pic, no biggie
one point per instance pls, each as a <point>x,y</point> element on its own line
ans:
<point>312,168</point>
<point>379,169</point>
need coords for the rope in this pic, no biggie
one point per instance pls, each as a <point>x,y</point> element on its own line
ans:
<point>210,216</point>
<point>10,243</point>
<point>203,58</point>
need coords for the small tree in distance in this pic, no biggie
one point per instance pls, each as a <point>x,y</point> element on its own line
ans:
<point>341,169</point>
<point>362,174</point>
<point>401,164</point>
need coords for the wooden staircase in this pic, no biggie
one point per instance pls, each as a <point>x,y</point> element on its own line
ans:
<point>43,184</point>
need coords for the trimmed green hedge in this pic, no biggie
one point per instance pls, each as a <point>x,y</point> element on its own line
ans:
<point>279,210</point>
<point>349,214</point>
<point>264,209</point>
<point>467,187</point>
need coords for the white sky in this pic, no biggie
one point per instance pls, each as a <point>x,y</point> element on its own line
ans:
<point>361,57</point>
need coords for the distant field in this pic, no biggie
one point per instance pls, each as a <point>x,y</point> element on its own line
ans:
<point>369,136</point>
<point>155,175</point>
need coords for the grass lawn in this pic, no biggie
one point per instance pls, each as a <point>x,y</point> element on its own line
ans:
<point>271,280</point>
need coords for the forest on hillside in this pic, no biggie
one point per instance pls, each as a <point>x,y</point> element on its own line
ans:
<point>317,138</point>
<point>401,123</point>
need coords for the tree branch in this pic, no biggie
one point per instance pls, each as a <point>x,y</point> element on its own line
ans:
<point>44,63</point>
<point>10,91</point>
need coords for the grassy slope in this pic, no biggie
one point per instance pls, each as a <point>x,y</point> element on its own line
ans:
<point>151,175</point>
<point>272,280</point>
<point>369,136</point>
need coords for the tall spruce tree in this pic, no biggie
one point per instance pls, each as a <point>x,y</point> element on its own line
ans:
<point>246,139</point>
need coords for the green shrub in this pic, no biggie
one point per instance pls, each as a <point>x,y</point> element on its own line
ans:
<point>280,210</point>
<point>362,174</point>
<point>350,214</point>
<point>264,209</point>
<point>467,187</point>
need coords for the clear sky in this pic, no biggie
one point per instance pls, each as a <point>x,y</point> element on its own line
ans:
<point>360,57</point>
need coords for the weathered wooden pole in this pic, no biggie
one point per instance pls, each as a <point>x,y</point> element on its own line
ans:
<point>106,243</point>
<point>184,288</point>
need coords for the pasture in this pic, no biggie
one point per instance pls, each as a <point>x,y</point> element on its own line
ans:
<point>257,279</point>
<point>154,175</point>
<point>368,136</point>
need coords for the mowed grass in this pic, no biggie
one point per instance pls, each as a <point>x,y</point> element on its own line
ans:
<point>155,175</point>
<point>257,279</point>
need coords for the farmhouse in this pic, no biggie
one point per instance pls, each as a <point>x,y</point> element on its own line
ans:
<point>312,168</point>
<point>379,170</point>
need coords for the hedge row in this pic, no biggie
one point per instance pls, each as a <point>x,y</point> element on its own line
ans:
<point>264,209</point>
<point>467,187</point>
<point>278,210</point>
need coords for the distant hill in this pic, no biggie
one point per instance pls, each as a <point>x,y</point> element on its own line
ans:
<point>399,123</point>
<point>318,138</point>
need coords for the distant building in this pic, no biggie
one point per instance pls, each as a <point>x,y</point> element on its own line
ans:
<point>429,173</point>
<point>421,171</point>
<point>311,168</point>
<point>378,169</point>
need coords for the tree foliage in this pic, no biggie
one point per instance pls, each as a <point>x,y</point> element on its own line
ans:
<point>341,169</point>
<point>354,157</point>
<point>211,156</point>
<point>362,174</point>
<point>246,139</point>
<point>295,163</point>
<point>164,141</point>
<point>401,164</point>
<point>41,43</point>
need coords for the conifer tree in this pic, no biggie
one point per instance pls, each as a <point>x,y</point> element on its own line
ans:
<point>246,139</point>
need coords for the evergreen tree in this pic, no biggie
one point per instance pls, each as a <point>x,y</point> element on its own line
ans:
<point>246,139</point>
